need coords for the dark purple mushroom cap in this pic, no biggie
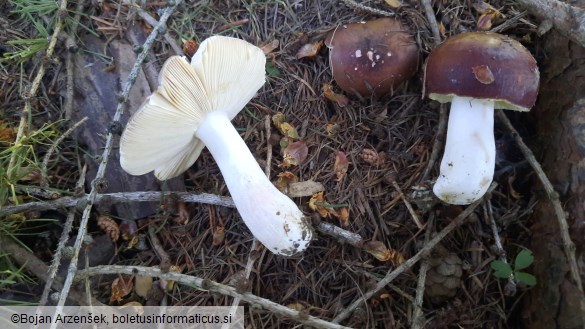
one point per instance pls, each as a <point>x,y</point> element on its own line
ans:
<point>372,58</point>
<point>483,65</point>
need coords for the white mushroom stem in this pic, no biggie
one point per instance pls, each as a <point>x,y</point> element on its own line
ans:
<point>467,168</point>
<point>273,218</point>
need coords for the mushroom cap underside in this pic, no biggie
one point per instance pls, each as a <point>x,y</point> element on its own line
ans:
<point>483,65</point>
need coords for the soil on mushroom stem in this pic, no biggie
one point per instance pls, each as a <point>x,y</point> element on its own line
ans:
<point>397,130</point>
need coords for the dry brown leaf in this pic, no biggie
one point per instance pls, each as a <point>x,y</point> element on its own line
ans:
<point>284,180</point>
<point>294,154</point>
<point>7,134</point>
<point>343,215</point>
<point>142,285</point>
<point>379,250</point>
<point>183,216</point>
<point>309,49</point>
<point>332,129</point>
<point>341,165</point>
<point>296,306</point>
<point>485,22</point>
<point>190,47</point>
<point>306,188</point>
<point>340,99</point>
<point>270,47</point>
<point>316,204</point>
<point>394,4</point>
<point>121,287</point>
<point>218,235</point>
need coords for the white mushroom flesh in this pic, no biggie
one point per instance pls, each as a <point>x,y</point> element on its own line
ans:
<point>467,167</point>
<point>273,218</point>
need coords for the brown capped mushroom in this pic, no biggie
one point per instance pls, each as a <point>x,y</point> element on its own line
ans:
<point>372,58</point>
<point>476,72</point>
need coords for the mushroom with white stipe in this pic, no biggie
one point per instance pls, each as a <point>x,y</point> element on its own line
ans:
<point>192,109</point>
<point>477,72</point>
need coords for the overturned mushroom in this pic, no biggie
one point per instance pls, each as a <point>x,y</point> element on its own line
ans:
<point>372,58</point>
<point>476,72</point>
<point>191,109</point>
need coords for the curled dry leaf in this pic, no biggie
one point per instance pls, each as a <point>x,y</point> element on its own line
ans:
<point>7,133</point>
<point>296,306</point>
<point>182,213</point>
<point>142,285</point>
<point>190,47</point>
<point>343,215</point>
<point>340,99</point>
<point>332,129</point>
<point>108,225</point>
<point>341,165</point>
<point>379,250</point>
<point>316,204</point>
<point>309,49</point>
<point>270,47</point>
<point>218,235</point>
<point>288,130</point>
<point>284,180</point>
<point>394,4</point>
<point>169,285</point>
<point>121,287</point>
<point>294,154</point>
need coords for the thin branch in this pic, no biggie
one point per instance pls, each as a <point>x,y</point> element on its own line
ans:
<point>116,198</point>
<point>511,287</point>
<point>413,214</point>
<point>210,286</point>
<point>418,320</point>
<point>61,245</point>
<point>71,46</point>
<point>390,276</point>
<point>52,149</point>
<point>569,20</point>
<point>553,196</point>
<point>370,10</point>
<point>432,20</point>
<point>442,125</point>
<point>108,149</point>
<point>37,267</point>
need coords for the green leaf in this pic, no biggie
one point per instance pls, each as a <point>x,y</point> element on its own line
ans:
<point>526,278</point>
<point>271,70</point>
<point>502,270</point>
<point>523,260</point>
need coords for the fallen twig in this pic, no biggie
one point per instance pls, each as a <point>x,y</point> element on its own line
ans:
<point>52,149</point>
<point>442,125</point>
<point>569,20</point>
<point>413,214</point>
<point>115,198</point>
<point>553,196</point>
<point>37,267</point>
<point>61,245</point>
<point>210,286</point>
<point>71,46</point>
<point>360,6</point>
<point>390,276</point>
<point>511,287</point>
<point>418,319</point>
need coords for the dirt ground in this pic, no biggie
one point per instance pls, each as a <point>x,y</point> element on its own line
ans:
<point>387,141</point>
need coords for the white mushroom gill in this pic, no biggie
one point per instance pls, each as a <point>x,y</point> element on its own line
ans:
<point>191,109</point>
<point>467,167</point>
